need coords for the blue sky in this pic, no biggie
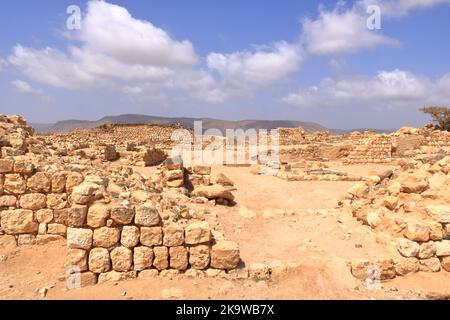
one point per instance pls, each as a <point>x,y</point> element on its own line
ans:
<point>299,60</point>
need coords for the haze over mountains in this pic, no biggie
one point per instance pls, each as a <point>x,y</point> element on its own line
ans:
<point>68,125</point>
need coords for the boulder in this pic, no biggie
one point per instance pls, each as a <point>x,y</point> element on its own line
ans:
<point>161,258</point>
<point>97,215</point>
<point>439,212</point>
<point>173,235</point>
<point>15,184</point>
<point>225,255</point>
<point>147,215</point>
<point>130,236</point>
<point>443,248</point>
<point>417,231</point>
<point>199,257</point>
<point>427,250</point>
<point>151,236</point>
<point>77,258</point>
<point>79,238</point>
<point>143,258</point>
<point>106,237</point>
<point>99,260</point>
<point>40,182</point>
<point>122,259</point>
<point>178,258</point>
<point>405,266</point>
<point>223,180</point>
<point>197,233</point>
<point>18,221</point>
<point>213,192</point>
<point>123,214</point>
<point>408,248</point>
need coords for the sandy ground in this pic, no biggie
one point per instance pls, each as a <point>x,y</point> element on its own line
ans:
<point>316,237</point>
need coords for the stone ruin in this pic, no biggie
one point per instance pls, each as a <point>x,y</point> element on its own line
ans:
<point>410,208</point>
<point>118,225</point>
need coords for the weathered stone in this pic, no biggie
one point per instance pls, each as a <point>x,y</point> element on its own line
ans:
<point>97,215</point>
<point>223,180</point>
<point>111,276</point>
<point>408,248</point>
<point>445,263</point>
<point>175,183</point>
<point>143,258</point>
<point>259,271</point>
<point>42,229</point>
<point>161,258</point>
<point>174,163</point>
<point>56,200</point>
<point>202,170</point>
<point>443,248</point>
<point>151,236</point>
<point>379,270</point>
<point>15,184</point>
<point>23,167</point>
<point>173,235</point>
<point>111,153</point>
<point>199,257</point>
<point>147,215</point>
<point>359,190</point>
<point>405,266</point>
<point>106,237</point>
<point>130,236</point>
<point>148,274</point>
<point>8,201</point>
<point>87,192</point>
<point>416,231</point>
<point>427,250</point>
<point>6,165</point>
<point>18,221</point>
<point>82,280</point>
<point>122,259</point>
<point>172,175</point>
<point>440,212</point>
<point>178,258</point>
<point>58,229</point>
<point>389,202</point>
<point>197,233</point>
<point>73,179</point>
<point>77,258</point>
<point>44,216</point>
<point>430,265</point>
<point>74,216</point>
<point>99,261</point>
<point>59,182</point>
<point>33,201</point>
<point>225,255</point>
<point>42,239</point>
<point>436,231</point>
<point>414,185</point>
<point>79,238</point>
<point>123,214</point>
<point>213,192</point>
<point>26,239</point>
<point>40,182</point>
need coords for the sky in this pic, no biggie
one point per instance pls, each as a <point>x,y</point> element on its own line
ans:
<point>328,62</point>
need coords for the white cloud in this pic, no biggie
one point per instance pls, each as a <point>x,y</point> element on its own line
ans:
<point>244,72</point>
<point>387,89</point>
<point>111,30</point>
<point>25,88</point>
<point>341,31</point>
<point>115,48</point>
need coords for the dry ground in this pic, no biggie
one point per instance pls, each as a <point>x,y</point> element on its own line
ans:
<point>316,237</point>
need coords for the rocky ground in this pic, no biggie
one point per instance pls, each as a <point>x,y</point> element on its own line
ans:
<point>312,228</point>
<point>318,239</point>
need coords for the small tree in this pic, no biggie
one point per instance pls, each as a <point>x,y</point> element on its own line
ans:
<point>440,115</point>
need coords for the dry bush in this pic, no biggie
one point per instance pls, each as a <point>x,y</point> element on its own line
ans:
<point>440,115</point>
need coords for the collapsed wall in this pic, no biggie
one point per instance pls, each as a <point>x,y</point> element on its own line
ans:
<point>410,207</point>
<point>117,224</point>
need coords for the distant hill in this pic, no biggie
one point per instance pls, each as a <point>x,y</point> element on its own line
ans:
<point>208,123</point>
